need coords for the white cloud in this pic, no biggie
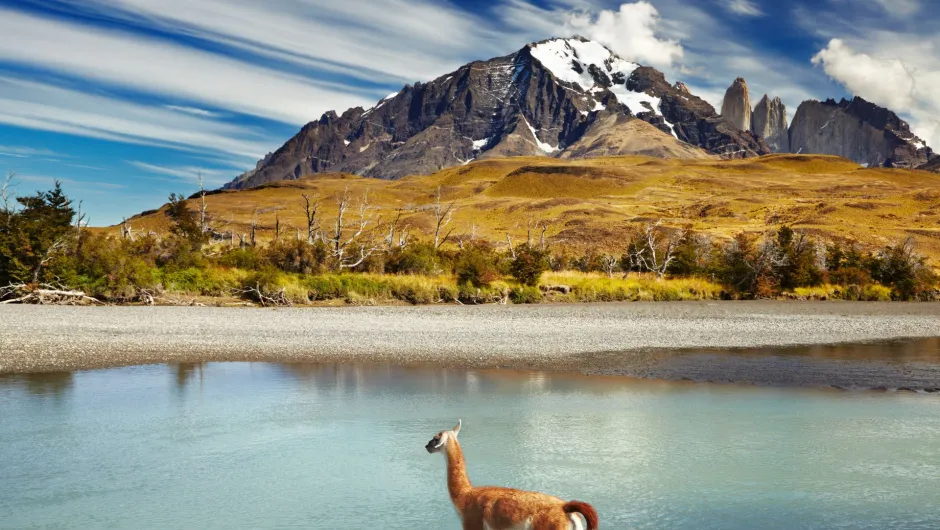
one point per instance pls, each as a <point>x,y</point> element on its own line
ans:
<point>211,177</point>
<point>897,71</point>
<point>192,110</point>
<point>887,82</point>
<point>25,152</point>
<point>378,40</point>
<point>745,8</point>
<point>631,32</point>
<point>51,108</point>
<point>159,67</point>
<point>898,8</point>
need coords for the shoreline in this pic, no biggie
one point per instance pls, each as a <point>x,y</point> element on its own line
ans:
<point>812,344</point>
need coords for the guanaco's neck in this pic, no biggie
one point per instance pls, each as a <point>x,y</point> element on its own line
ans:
<point>457,482</point>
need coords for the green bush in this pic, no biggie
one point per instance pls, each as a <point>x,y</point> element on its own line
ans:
<point>248,258</point>
<point>525,295</point>
<point>477,265</point>
<point>298,256</point>
<point>528,265</point>
<point>416,258</point>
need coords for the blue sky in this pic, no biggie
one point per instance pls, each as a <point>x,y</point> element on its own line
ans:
<point>126,101</point>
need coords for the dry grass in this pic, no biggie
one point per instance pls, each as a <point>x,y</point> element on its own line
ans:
<point>828,196</point>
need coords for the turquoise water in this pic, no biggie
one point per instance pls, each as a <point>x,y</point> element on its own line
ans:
<point>313,446</point>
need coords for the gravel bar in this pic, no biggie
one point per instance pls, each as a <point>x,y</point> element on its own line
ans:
<point>618,338</point>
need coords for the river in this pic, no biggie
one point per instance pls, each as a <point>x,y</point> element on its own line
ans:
<point>240,445</point>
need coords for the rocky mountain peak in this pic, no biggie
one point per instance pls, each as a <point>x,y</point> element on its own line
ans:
<point>538,101</point>
<point>736,106</point>
<point>858,130</point>
<point>769,121</point>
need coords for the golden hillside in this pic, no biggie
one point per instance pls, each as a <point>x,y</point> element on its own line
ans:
<point>591,202</point>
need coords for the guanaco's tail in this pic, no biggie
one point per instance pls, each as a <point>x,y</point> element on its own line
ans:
<point>584,509</point>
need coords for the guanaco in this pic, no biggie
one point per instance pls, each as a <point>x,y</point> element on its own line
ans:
<point>494,508</point>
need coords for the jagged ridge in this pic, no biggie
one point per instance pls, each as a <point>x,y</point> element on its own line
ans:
<point>537,102</point>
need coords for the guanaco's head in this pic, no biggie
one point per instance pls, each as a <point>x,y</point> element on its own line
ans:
<point>441,439</point>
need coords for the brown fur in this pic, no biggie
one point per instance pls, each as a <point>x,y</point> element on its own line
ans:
<point>505,508</point>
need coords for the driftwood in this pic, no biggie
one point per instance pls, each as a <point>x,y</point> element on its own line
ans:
<point>257,293</point>
<point>43,294</point>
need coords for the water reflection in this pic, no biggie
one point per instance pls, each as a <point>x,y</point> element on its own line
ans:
<point>55,385</point>
<point>185,373</point>
<point>356,378</point>
<point>905,350</point>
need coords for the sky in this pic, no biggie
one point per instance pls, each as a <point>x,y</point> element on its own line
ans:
<point>126,101</point>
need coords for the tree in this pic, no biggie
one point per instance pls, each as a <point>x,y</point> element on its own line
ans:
<point>528,265</point>
<point>794,263</point>
<point>652,251</point>
<point>35,235</point>
<point>185,223</point>
<point>477,265</point>
<point>902,269</point>
<point>311,205</point>
<point>443,213</point>
<point>351,243</point>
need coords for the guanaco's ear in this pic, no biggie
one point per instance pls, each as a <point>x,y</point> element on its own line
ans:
<point>457,428</point>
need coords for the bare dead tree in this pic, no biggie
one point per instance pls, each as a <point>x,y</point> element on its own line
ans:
<point>203,208</point>
<point>277,226</point>
<point>311,205</point>
<point>126,230</point>
<point>609,263</point>
<point>351,242</point>
<point>542,236</point>
<point>655,252</point>
<point>252,230</point>
<point>6,193</point>
<point>397,234</point>
<point>443,214</point>
<point>512,251</point>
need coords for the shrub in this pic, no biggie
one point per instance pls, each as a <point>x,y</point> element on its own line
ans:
<point>248,258</point>
<point>298,256</point>
<point>416,258</point>
<point>906,272</point>
<point>477,265</point>
<point>525,295</point>
<point>528,265</point>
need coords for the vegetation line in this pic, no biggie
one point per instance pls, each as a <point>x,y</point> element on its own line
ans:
<point>48,255</point>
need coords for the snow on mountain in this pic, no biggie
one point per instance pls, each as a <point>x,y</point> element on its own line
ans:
<point>594,68</point>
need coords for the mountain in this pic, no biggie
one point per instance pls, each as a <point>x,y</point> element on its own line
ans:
<point>769,121</point>
<point>858,130</point>
<point>736,106</point>
<point>539,101</point>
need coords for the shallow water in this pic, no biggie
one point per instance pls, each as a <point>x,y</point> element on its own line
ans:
<point>322,446</point>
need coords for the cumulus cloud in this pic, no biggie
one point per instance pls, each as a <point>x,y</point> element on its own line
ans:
<point>884,81</point>
<point>745,8</point>
<point>878,74</point>
<point>631,32</point>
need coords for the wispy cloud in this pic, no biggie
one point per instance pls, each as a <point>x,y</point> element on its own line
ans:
<point>211,176</point>
<point>52,108</point>
<point>84,185</point>
<point>745,8</point>
<point>160,67</point>
<point>25,152</point>
<point>193,110</point>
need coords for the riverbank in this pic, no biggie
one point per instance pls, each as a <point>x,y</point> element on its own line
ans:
<point>682,340</point>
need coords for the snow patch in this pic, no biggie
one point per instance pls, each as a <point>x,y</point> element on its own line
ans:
<point>547,148</point>
<point>346,142</point>
<point>559,56</point>
<point>672,128</point>
<point>363,148</point>
<point>390,96</point>
<point>480,144</point>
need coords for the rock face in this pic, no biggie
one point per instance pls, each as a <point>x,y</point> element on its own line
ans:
<point>769,121</point>
<point>538,101</point>
<point>858,130</point>
<point>736,106</point>
<point>692,119</point>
